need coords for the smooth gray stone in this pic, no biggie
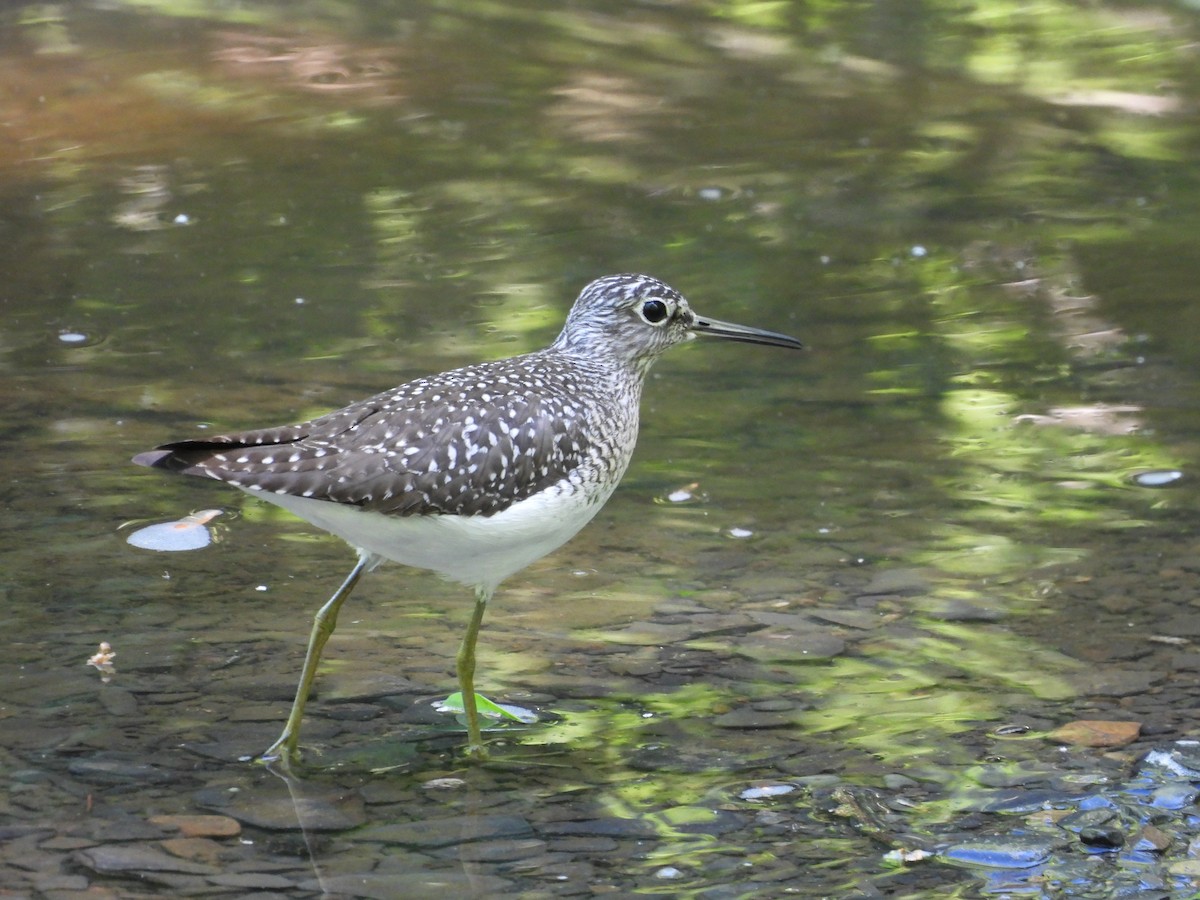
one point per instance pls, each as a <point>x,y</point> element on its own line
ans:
<point>447,831</point>
<point>137,858</point>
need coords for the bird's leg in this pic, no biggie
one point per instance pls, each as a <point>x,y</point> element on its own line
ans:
<point>285,747</point>
<point>465,664</point>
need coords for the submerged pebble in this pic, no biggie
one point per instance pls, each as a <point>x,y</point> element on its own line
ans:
<point>1157,477</point>
<point>316,810</point>
<point>138,858</point>
<point>1001,852</point>
<point>188,533</point>
<point>113,770</point>
<point>1173,796</point>
<point>766,791</point>
<point>1106,836</point>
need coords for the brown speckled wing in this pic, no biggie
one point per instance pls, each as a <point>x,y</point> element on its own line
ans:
<point>472,441</point>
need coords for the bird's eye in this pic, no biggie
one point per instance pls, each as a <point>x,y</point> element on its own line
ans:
<point>654,311</point>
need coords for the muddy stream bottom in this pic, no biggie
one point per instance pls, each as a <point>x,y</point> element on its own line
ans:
<point>680,750</point>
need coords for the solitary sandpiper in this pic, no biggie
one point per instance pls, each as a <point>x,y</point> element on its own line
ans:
<point>474,473</point>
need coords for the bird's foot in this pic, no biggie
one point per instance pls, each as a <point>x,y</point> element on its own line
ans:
<point>281,754</point>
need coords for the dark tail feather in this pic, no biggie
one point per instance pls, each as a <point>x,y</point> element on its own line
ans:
<point>183,455</point>
<point>154,459</point>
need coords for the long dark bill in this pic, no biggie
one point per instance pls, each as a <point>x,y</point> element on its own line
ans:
<point>727,330</point>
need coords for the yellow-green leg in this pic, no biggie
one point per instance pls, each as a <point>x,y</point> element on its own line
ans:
<point>465,664</point>
<point>285,748</point>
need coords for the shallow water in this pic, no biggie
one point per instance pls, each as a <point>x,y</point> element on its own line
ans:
<point>871,579</point>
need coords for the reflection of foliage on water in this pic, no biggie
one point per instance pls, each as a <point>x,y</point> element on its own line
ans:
<point>590,162</point>
<point>1016,459</point>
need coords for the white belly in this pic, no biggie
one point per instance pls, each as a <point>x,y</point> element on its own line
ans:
<point>472,550</point>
